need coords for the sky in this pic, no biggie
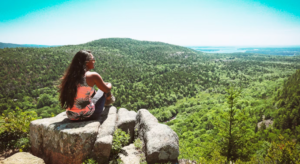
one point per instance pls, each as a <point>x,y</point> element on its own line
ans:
<point>179,22</point>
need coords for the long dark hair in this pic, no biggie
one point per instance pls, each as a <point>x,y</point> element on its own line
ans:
<point>73,75</point>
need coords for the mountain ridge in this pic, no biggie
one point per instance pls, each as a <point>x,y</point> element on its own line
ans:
<point>13,45</point>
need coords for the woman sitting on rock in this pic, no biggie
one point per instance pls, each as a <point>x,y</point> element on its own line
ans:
<point>77,94</point>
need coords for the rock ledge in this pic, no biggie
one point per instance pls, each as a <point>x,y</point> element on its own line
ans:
<point>58,140</point>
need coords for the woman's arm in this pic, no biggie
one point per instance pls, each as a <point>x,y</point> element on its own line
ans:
<point>98,81</point>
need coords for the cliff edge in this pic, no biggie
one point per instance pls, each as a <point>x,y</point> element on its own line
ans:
<point>57,140</point>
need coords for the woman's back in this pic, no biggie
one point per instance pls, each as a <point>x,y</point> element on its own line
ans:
<point>83,106</point>
<point>76,88</point>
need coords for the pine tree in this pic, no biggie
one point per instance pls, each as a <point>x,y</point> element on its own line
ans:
<point>235,132</point>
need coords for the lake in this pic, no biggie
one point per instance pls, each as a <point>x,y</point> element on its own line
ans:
<point>217,49</point>
<point>282,51</point>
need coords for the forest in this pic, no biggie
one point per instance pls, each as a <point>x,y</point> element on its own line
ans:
<point>240,107</point>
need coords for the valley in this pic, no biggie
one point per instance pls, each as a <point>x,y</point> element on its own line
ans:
<point>217,99</point>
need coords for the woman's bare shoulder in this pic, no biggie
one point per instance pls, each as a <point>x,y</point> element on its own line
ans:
<point>91,73</point>
<point>91,77</point>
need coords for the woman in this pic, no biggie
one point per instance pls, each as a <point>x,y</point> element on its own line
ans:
<point>77,94</point>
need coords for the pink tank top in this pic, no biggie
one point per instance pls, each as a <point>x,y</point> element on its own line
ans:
<point>83,106</point>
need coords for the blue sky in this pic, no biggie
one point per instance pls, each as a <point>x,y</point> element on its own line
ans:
<point>180,22</point>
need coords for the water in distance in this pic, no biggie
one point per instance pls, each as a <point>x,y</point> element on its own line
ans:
<point>284,51</point>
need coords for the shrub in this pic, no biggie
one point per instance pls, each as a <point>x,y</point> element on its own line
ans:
<point>138,144</point>
<point>89,161</point>
<point>283,152</point>
<point>120,139</point>
<point>14,133</point>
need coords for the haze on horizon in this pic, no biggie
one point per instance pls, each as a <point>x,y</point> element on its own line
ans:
<point>179,22</point>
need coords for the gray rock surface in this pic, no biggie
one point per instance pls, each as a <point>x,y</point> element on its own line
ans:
<point>130,155</point>
<point>103,143</point>
<point>268,123</point>
<point>161,142</point>
<point>144,122</point>
<point>23,158</point>
<point>62,114</point>
<point>126,121</point>
<point>59,140</point>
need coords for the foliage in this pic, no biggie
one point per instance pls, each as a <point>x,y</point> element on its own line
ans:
<point>45,100</point>
<point>138,144</point>
<point>189,152</point>
<point>288,102</point>
<point>143,158</point>
<point>89,161</point>
<point>120,139</point>
<point>152,75</point>
<point>14,132</point>
<point>198,131</point>
<point>115,161</point>
<point>180,86</point>
<point>283,152</point>
<point>234,132</point>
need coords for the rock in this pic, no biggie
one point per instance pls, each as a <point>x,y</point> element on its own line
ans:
<point>267,122</point>
<point>126,121</point>
<point>144,122</point>
<point>103,143</point>
<point>24,158</point>
<point>130,155</point>
<point>62,114</point>
<point>161,142</point>
<point>58,140</point>
<point>186,161</point>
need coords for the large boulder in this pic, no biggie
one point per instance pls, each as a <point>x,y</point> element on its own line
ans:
<point>103,143</point>
<point>24,158</point>
<point>58,140</point>
<point>144,122</point>
<point>161,142</point>
<point>126,121</point>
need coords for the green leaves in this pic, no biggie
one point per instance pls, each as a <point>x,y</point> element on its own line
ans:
<point>120,139</point>
<point>46,100</point>
<point>288,102</point>
<point>89,161</point>
<point>284,151</point>
<point>15,129</point>
<point>159,77</point>
<point>234,133</point>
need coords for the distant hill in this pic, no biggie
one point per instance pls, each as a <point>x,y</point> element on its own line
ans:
<point>11,45</point>
<point>135,68</point>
